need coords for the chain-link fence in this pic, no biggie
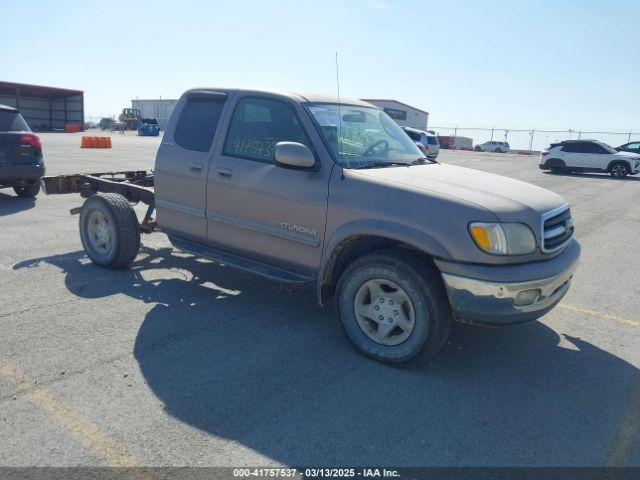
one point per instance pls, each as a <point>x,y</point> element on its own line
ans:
<point>535,139</point>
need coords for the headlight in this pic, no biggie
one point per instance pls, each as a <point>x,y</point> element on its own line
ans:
<point>503,238</point>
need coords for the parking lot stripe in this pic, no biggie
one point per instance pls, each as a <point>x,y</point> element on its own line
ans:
<point>607,316</point>
<point>85,432</point>
<point>626,439</point>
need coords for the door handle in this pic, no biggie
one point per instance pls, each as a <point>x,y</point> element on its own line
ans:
<point>196,168</point>
<point>223,173</point>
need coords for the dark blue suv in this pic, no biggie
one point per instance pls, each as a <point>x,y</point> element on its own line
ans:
<point>21,162</point>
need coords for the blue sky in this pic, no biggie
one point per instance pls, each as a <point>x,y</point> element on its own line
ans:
<point>550,64</point>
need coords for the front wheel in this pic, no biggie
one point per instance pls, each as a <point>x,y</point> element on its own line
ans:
<point>393,306</point>
<point>619,170</point>
<point>109,230</point>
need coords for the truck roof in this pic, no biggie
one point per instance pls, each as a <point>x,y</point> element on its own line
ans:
<point>300,97</point>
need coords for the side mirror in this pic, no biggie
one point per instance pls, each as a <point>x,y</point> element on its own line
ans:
<point>293,155</point>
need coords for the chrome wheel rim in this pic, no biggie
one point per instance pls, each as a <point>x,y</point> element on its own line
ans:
<point>619,171</point>
<point>384,312</point>
<point>99,229</point>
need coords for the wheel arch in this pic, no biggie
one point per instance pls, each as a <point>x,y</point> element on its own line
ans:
<point>554,162</point>
<point>356,239</point>
<point>613,162</point>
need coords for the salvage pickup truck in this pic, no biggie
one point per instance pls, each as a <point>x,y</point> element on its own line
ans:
<point>316,189</point>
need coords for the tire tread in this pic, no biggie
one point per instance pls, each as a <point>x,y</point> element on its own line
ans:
<point>128,228</point>
<point>430,283</point>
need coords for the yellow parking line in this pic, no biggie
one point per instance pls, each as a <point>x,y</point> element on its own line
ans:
<point>626,321</point>
<point>85,432</point>
<point>627,436</point>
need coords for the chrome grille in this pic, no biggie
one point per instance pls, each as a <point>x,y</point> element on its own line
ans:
<point>557,229</point>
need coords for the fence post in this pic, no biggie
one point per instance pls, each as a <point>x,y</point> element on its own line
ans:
<point>579,134</point>
<point>492,129</point>
<point>531,140</point>
<point>629,137</point>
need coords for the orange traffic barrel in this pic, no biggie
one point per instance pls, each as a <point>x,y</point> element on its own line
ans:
<point>95,142</point>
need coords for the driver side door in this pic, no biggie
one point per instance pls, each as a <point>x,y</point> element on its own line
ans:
<point>257,209</point>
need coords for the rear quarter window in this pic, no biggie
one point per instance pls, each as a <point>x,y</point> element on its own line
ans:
<point>12,122</point>
<point>413,135</point>
<point>198,123</point>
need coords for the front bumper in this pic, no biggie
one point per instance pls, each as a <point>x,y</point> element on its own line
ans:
<point>502,295</point>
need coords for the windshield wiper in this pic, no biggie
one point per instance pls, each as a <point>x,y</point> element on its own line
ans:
<point>383,164</point>
<point>423,161</point>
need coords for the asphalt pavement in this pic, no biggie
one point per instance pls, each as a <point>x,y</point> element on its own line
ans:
<point>183,362</point>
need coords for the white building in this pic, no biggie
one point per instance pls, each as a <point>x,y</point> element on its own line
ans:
<point>403,114</point>
<point>160,109</point>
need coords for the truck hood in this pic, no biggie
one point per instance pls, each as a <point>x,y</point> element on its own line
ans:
<point>508,199</point>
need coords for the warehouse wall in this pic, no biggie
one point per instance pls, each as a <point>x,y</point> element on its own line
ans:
<point>44,114</point>
<point>412,117</point>
<point>158,109</point>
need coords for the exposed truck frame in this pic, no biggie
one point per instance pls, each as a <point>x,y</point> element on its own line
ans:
<point>134,185</point>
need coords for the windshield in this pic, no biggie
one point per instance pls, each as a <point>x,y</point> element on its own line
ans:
<point>609,148</point>
<point>11,121</point>
<point>361,137</point>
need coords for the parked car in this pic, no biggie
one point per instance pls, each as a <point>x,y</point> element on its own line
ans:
<point>106,123</point>
<point>426,141</point>
<point>21,161</point>
<point>633,147</point>
<point>492,146</point>
<point>310,189</point>
<point>588,156</point>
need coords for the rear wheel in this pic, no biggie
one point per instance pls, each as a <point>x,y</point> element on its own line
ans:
<point>619,170</point>
<point>556,165</point>
<point>29,190</point>
<point>393,306</point>
<point>109,230</point>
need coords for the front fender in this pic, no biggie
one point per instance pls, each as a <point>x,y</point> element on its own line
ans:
<point>379,228</point>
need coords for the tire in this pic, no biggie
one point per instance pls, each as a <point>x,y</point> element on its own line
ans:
<point>426,301</point>
<point>109,230</point>
<point>497,150</point>
<point>555,165</point>
<point>619,170</point>
<point>27,191</point>
<point>477,149</point>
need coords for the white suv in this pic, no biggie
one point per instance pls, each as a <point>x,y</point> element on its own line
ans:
<point>492,146</point>
<point>589,156</point>
<point>427,141</point>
